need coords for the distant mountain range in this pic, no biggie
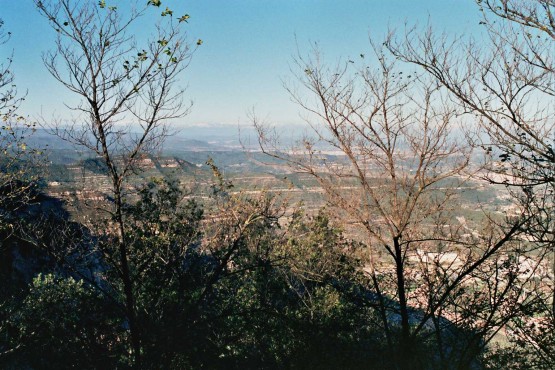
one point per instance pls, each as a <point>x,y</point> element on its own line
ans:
<point>191,138</point>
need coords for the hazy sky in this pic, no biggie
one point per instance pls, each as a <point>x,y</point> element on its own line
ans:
<point>247,50</point>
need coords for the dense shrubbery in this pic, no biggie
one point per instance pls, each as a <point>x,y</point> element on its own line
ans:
<point>234,289</point>
<point>227,288</point>
<point>245,292</point>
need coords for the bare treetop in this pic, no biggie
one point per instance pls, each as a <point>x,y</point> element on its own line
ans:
<point>128,94</point>
<point>127,86</point>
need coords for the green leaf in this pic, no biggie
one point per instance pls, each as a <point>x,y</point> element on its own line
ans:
<point>184,18</point>
<point>167,12</point>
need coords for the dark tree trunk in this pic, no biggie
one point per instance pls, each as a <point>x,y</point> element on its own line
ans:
<point>405,346</point>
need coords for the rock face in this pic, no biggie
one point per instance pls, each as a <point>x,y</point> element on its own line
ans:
<point>22,224</point>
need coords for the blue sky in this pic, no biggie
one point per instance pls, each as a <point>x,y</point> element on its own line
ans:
<point>247,50</point>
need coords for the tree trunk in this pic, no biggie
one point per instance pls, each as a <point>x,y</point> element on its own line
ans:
<point>127,283</point>
<point>405,346</point>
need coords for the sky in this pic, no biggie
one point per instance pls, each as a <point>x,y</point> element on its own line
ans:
<point>247,51</point>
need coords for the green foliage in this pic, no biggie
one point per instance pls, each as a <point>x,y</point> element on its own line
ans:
<point>95,165</point>
<point>62,323</point>
<point>226,288</point>
<point>167,12</point>
<point>18,162</point>
<point>156,3</point>
<point>282,311</point>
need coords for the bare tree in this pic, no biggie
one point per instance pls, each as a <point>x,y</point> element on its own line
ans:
<point>508,84</point>
<point>403,160</point>
<point>128,95</point>
<point>506,80</point>
<point>8,100</point>
<point>16,160</point>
